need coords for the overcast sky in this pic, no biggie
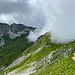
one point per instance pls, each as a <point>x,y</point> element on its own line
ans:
<point>21,11</point>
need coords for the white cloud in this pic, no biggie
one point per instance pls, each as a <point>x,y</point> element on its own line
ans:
<point>60,19</point>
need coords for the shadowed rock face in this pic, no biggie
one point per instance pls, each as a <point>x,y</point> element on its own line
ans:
<point>4,28</point>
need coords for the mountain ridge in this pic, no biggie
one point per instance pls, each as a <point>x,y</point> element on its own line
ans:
<point>44,58</point>
<point>14,28</point>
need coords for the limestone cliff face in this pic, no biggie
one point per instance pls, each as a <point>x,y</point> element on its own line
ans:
<point>15,28</point>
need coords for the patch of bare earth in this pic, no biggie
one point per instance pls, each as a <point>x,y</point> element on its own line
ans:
<point>73,57</point>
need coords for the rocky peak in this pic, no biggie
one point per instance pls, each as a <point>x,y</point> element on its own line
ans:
<point>19,28</point>
<point>14,29</point>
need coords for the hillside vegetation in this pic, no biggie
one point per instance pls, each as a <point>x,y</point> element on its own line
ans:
<point>12,49</point>
<point>44,58</point>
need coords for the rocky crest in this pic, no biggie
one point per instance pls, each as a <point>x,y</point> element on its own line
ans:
<point>14,30</point>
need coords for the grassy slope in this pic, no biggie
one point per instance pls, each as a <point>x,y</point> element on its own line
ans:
<point>12,49</point>
<point>66,66</point>
<point>42,42</point>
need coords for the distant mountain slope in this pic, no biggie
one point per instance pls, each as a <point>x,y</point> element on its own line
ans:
<point>44,58</point>
<point>14,28</point>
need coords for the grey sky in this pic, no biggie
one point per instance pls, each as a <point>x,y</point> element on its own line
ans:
<point>21,11</point>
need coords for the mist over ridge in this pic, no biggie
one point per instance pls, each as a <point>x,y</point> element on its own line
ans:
<point>60,20</point>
